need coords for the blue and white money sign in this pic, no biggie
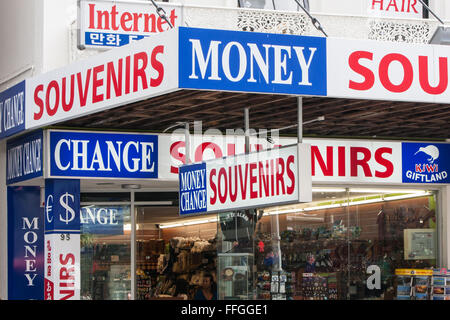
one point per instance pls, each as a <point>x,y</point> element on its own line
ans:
<point>62,206</point>
<point>426,162</point>
<point>103,155</point>
<point>102,219</point>
<point>252,62</point>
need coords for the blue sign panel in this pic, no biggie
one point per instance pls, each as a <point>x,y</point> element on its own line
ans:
<point>12,110</point>
<point>193,195</point>
<point>425,162</point>
<point>25,244</point>
<point>103,155</point>
<point>110,39</point>
<point>62,206</point>
<point>24,158</point>
<point>102,219</point>
<point>252,62</point>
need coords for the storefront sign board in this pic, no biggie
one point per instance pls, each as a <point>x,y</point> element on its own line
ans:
<point>24,157</point>
<point>252,62</point>
<point>25,244</point>
<point>364,69</point>
<point>205,59</point>
<point>336,161</point>
<point>116,77</point>
<point>102,155</point>
<point>407,9</point>
<point>426,162</point>
<point>12,110</point>
<point>102,220</point>
<point>117,23</point>
<point>62,239</point>
<point>258,179</point>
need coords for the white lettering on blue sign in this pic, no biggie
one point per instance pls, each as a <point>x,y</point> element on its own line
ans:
<point>193,195</point>
<point>103,155</point>
<point>425,163</point>
<point>30,237</point>
<point>12,110</point>
<point>24,159</point>
<point>252,62</point>
<point>281,73</point>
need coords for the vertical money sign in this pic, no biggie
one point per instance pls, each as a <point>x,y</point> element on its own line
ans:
<point>62,239</point>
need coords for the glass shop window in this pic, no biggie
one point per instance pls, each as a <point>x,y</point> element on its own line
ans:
<point>105,252</point>
<point>346,244</point>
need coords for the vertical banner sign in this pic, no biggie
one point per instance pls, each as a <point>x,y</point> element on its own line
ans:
<point>426,162</point>
<point>255,180</point>
<point>12,110</point>
<point>25,244</point>
<point>24,157</point>
<point>62,239</point>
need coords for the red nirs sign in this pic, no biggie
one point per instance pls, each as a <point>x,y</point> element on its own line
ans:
<point>62,267</point>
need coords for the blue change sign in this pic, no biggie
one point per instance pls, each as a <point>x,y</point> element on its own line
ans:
<point>24,157</point>
<point>25,244</point>
<point>103,155</point>
<point>62,206</point>
<point>193,194</point>
<point>252,62</point>
<point>12,110</point>
<point>425,162</point>
<point>103,219</point>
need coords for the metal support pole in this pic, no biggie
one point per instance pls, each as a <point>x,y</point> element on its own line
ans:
<point>300,119</point>
<point>133,246</point>
<point>187,139</point>
<point>247,129</point>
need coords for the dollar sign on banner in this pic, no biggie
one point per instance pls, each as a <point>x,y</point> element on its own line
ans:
<point>63,200</point>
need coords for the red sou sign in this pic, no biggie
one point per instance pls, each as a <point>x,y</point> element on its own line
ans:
<point>377,70</point>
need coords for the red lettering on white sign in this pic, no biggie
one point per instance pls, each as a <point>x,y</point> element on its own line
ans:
<point>52,98</point>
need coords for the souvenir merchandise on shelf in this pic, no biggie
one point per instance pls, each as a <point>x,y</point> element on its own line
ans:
<point>415,284</point>
<point>440,286</point>
<point>174,268</point>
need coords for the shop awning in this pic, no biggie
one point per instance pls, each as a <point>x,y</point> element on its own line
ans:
<point>360,88</point>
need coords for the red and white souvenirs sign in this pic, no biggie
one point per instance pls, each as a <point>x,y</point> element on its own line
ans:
<point>117,23</point>
<point>258,179</point>
<point>332,161</point>
<point>411,9</point>
<point>113,78</point>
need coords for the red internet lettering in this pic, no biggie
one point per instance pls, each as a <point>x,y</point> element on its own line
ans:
<point>127,21</point>
<point>408,73</point>
<point>50,98</point>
